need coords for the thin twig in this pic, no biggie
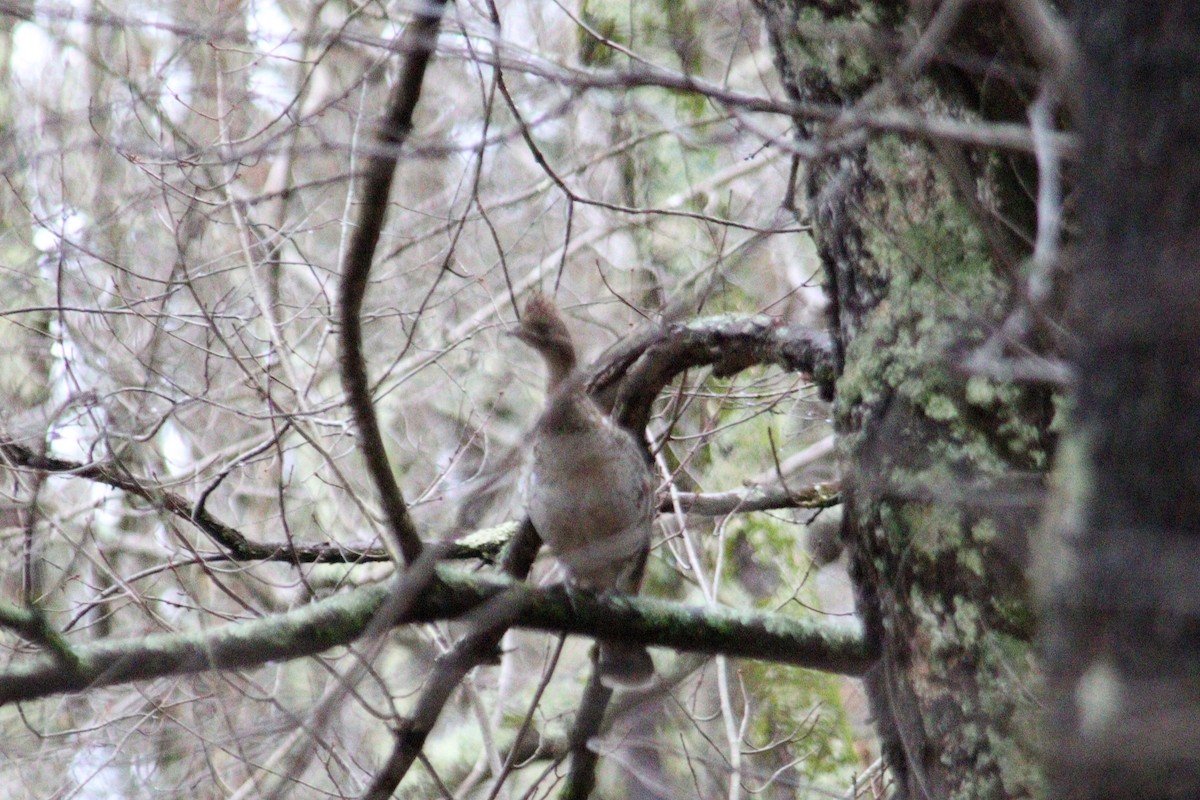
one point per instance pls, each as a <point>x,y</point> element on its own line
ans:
<point>915,124</point>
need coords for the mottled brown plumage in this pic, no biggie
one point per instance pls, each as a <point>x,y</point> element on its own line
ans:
<point>588,490</point>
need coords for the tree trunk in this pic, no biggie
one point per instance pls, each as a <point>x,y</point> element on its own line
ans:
<point>945,469</point>
<point>1123,644</point>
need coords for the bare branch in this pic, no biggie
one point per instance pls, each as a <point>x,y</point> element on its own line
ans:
<point>418,41</point>
<point>915,124</point>
<point>754,498</point>
<point>483,544</point>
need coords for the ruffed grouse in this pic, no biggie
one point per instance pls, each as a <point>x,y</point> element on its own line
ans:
<point>588,490</point>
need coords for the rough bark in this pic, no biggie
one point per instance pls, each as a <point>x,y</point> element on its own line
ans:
<point>1123,643</point>
<point>944,469</point>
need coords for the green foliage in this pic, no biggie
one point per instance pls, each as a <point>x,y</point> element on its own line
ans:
<point>808,705</point>
<point>593,52</point>
<point>663,26</point>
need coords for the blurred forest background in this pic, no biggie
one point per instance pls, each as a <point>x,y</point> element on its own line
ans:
<point>889,183</point>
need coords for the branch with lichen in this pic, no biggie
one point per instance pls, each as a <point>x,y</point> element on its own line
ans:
<point>340,620</point>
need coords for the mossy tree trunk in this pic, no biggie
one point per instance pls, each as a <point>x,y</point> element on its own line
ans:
<point>923,246</point>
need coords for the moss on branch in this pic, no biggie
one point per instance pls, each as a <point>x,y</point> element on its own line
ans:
<point>342,619</point>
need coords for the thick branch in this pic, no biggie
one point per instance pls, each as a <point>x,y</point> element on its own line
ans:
<point>340,620</point>
<point>417,43</point>
<point>728,344</point>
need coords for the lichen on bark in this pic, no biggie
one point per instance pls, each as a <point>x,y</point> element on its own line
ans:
<point>944,468</point>
<point>934,455</point>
